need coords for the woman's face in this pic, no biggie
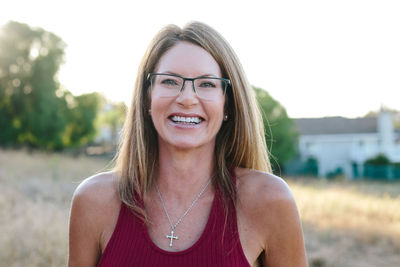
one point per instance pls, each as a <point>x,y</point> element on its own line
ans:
<point>186,121</point>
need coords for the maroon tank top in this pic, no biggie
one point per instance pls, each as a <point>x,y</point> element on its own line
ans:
<point>130,243</point>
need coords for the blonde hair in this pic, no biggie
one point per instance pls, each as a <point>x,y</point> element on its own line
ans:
<point>239,143</point>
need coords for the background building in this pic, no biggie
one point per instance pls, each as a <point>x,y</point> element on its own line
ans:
<point>342,145</point>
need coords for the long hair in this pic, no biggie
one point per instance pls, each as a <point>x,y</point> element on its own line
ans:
<point>240,141</point>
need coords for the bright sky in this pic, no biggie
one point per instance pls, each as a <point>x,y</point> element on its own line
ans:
<point>316,57</point>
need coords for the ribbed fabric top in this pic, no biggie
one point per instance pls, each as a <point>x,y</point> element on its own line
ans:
<point>131,245</point>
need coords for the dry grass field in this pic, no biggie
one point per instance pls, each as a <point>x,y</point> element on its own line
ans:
<point>346,224</point>
<point>350,224</point>
<point>35,195</point>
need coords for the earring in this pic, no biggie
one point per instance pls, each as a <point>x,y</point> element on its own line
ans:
<point>149,111</point>
<point>225,117</point>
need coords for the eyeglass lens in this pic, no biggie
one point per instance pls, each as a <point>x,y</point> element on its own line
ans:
<point>169,85</point>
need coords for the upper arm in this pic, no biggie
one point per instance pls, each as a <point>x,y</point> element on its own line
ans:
<point>94,210</point>
<point>83,235</point>
<point>284,242</point>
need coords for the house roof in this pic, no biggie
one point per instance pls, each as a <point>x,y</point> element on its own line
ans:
<point>336,125</point>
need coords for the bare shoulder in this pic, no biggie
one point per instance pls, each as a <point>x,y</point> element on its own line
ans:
<point>256,187</point>
<point>267,206</point>
<point>266,198</point>
<point>98,192</point>
<point>99,188</point>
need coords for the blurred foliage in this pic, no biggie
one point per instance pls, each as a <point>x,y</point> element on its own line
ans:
<point>81,115</point>
<point>281,133</point>
<point>334,174</point>
<point>380,167</point>
<point>34,109</point>
<point>311,167</point>
<point>111,118</point>
<point>379,160</point>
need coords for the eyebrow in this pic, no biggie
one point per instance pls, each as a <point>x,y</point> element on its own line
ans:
<point>204,75</point>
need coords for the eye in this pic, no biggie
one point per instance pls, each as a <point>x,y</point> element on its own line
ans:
<point>207,84</point>
<point>169,82</point>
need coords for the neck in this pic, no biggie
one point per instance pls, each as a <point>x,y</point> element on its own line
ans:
<point>183,173</point>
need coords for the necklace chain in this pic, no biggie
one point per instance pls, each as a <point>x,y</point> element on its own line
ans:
<point>173,226</point>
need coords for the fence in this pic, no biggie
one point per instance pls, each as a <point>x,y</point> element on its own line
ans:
<point>389,172</point>
<point>381,172</point>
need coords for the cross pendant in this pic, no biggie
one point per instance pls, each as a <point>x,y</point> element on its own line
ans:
<point>171,237</point>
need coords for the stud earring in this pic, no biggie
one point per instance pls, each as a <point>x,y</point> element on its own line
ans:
<point>225,117</point>
<point>149,111</point>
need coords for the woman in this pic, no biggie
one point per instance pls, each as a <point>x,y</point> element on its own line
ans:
<point>192,183</point>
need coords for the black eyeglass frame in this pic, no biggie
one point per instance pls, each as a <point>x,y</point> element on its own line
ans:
<point>227,81</point>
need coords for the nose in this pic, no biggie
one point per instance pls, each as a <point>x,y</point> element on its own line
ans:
<point>187,96</point>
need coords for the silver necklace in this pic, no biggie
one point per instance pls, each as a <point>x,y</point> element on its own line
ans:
<point>171,237</point>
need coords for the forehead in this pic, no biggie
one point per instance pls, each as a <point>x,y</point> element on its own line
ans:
<point>188,60</point>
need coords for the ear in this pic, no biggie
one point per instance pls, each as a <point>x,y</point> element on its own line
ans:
<point>226,107</point>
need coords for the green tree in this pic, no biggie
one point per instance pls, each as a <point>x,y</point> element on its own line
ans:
<point>379,160</point>
<point>34,110</point>
<point>81,114</point>
<point>281,133</point>
<point>29,61</point>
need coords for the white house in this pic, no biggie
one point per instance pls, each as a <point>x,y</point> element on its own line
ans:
<point>337,142</point>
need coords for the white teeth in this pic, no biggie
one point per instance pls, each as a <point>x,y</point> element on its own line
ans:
<point>186,119</point>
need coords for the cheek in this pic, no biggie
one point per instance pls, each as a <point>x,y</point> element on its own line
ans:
<point>218,112</point>
<point>223,106</point>
<point>154,101</point>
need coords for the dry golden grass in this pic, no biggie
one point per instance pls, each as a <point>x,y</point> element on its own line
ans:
<point>350,223</point>
<point>35,195</point>
<point>345,223</point>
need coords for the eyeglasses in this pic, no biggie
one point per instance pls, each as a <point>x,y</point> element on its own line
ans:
<point>170,85</point>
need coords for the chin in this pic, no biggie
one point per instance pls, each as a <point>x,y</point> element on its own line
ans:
<point>190,143</point>
<point>185,145</point>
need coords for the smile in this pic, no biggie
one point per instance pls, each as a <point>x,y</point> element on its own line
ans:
<point>191,120</point>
